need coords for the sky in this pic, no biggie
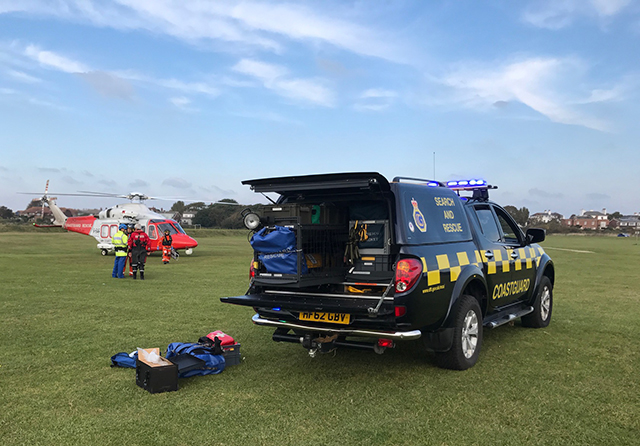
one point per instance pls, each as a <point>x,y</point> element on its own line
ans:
<point>187,98</point>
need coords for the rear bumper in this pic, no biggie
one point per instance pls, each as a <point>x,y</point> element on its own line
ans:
<point>395,335</point>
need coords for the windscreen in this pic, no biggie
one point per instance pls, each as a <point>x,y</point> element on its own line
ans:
<point>429,215</point>
<point>178,227</point>
<point>167,227</point>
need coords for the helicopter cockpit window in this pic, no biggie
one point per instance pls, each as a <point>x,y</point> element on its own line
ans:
<point>167,226</point>
<point>179,228</point>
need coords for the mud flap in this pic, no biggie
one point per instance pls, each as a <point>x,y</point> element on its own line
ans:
<point>438,341</point>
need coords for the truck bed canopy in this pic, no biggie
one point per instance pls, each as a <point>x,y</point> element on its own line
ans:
<point>338,182</point>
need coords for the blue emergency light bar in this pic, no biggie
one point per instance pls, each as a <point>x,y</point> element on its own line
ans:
<point>467,184</point>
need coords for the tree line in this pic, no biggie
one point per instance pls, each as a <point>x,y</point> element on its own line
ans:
<point>224,214</point>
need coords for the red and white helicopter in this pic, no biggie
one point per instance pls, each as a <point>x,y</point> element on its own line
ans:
<point>105,225</point>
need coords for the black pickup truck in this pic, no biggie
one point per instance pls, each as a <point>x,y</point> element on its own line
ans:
<point>353,260</point>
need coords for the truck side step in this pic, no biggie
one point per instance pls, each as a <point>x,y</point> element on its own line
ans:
<point>506,316</point>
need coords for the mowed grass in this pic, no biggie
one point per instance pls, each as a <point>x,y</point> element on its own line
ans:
<point>63,316</point>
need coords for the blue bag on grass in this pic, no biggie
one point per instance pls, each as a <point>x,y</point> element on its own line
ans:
<point>213,363</point>
<point>123,359</point>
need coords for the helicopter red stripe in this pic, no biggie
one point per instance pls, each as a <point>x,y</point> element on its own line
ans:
<point>82,225</point>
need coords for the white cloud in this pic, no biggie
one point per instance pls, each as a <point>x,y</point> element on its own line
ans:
<point>187,87</point>
<point>53,60</point>
<point>263,71</point>
<point>23,77</point>
<point>182,103</point>
<point>546,85</point>
<point>275,77</point>
<point>47,104</point>
<point>139,184</point>
<point>178,183</point>
<point>557,14</point>
<point>300,23</point>
<point>248,24</point>
<point>375,100</point>
<point>609,7</point>
<point>108,83</point>
<point>378,93</point>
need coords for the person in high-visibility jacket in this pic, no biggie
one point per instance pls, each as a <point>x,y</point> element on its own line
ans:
<point>120,244</point>
<point>166,246</point>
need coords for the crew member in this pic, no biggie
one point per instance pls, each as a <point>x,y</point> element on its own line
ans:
<point>119,241</point>
<point>139,245</point>
<point>128,231</point>
<point>166,246</point>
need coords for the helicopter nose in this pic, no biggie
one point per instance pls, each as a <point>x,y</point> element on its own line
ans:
<point>192,242</point>
<point>184,241</point>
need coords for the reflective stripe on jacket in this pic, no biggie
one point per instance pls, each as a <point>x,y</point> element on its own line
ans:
<point>119,241</point>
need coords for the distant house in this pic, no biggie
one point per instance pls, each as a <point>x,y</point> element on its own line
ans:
<point>171,215</point>
<point>187,218</point>
<point>545,217</point>
<point>626,222</point>
<point>595,214</point>
<point>588,220</point>
<point>35,212</point>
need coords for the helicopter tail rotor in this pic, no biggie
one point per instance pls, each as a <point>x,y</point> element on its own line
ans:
<point>44,199</point>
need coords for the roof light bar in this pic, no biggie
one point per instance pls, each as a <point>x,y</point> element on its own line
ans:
<point>467,184</point>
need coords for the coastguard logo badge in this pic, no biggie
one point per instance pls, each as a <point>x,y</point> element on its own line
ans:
<point>418,218</point>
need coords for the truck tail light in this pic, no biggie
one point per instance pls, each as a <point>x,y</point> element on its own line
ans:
<point>386,343</point>
<point>408,272</point>
<point>252,270</point>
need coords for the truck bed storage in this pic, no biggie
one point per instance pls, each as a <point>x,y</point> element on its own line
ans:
<point>315,250</point>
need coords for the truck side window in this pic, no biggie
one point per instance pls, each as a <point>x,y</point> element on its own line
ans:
<point>510,232</point>
<point>488,224</point>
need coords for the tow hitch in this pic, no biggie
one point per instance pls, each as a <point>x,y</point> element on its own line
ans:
<point>319,343</point>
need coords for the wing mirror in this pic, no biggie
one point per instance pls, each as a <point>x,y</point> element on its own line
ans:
<point>535,235</point>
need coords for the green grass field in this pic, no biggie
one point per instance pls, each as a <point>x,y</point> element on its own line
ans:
<point>63,316</point>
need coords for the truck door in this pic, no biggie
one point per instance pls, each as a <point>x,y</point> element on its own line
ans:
<point>523,258</point>
<point>496,256</point>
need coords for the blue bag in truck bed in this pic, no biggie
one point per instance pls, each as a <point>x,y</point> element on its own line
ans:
<point>276,250</point>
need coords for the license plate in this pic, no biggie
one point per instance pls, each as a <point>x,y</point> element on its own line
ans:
<point>334,318</point>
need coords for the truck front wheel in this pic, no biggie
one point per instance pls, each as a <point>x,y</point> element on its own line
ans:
<point>542,307</point>
<point>467,336</point>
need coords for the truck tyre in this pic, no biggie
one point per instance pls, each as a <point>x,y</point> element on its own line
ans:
<point>104,252</point>
<point>467,335</point>
<point>542,306</point>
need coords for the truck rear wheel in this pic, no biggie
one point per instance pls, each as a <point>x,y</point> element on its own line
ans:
<point>467,336</point>
<point>542,307</point>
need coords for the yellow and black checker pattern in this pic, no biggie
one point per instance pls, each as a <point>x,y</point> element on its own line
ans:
<point>443,265</point>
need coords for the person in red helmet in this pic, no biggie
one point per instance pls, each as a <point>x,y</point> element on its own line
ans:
<point>139,245</point>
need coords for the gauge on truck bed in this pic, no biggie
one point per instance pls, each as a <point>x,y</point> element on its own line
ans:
<point>353,260</point>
